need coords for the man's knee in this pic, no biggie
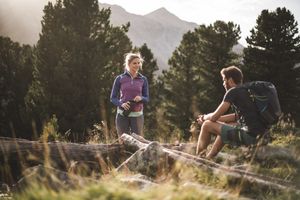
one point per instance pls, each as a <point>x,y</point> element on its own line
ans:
<point>207,124</point>
<point>211,126</point>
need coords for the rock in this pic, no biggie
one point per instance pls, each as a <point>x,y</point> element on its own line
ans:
<point>142,181</point>
<point>149,161</point>
<point>271,152</point>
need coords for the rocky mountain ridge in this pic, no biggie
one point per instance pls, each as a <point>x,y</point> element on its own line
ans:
<point>161,30</point>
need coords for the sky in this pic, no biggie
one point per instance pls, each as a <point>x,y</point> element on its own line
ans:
<point>241,12</point>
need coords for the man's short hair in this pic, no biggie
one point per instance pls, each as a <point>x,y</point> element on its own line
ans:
<point>233,72</point>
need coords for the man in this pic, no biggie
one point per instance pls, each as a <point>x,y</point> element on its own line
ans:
<point>239,128</point>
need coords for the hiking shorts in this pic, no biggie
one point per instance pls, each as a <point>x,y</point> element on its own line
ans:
<point>236,135</point>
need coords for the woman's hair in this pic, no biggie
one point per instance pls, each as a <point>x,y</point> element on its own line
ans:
<point>234,73</point>
<point>129,57</point>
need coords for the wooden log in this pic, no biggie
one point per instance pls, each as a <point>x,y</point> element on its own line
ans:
<point>184,147</point>
<point>51,178</point>
<point>135,163</point>
<point>19,154</point>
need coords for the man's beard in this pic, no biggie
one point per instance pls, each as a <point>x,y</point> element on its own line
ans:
<point>227,87</point>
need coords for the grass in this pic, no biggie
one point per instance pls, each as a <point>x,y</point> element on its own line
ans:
<point>112,187</point>
<point>184,183</point>
<point>180,183</point>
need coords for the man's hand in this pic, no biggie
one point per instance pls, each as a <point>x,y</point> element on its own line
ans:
<point>200,119</point>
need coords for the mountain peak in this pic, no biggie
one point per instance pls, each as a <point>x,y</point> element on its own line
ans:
<point>115,7</point>
<point>161,10</point>
<point>162,13</point>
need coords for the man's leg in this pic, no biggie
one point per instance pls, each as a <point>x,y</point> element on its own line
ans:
<point>217,146</point>
<point>208,128</point>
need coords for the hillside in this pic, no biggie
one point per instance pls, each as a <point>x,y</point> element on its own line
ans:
<point>161,30</point>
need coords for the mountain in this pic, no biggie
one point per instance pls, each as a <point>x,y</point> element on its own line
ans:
<point>21,20</point>
<point>161,30</point>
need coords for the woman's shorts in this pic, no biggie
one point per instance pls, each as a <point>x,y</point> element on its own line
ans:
<point>236,136</point>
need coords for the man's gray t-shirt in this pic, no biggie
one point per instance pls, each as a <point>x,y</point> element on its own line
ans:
<point>247,112</point>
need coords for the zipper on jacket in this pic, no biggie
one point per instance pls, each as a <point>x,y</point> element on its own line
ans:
<point>131,79</point>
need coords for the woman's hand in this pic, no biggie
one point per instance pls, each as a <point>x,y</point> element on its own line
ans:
<point>137,99</point>
<point>126,105</point>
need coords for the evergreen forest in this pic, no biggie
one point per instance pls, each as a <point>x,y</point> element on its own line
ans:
<point>61,85</point>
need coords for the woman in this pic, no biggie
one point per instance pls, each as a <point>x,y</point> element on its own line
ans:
<point>129,93</point>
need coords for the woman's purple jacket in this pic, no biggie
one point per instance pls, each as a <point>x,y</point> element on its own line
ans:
<point>126,87</point>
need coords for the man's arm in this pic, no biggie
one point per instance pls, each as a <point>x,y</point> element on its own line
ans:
<point>221,110</point>
<point>228,118</point>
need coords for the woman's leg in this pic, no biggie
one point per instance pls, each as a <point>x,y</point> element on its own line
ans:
<point>122,124</point>
<point>137,124</point>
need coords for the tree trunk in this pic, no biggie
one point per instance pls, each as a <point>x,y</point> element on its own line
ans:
<point>19,154</point>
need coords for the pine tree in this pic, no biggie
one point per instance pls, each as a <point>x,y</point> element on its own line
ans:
<point>215,52</point>
<point>193,83</point>
<point>77,53</point>
<point>181,84</point>
<point>149,69</point>
<point>16,66</point>
<point>272,54</point>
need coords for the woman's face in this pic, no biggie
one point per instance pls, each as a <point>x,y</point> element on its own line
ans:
<point>134,65</point>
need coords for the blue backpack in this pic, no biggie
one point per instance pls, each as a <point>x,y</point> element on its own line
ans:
<point>264,95</point>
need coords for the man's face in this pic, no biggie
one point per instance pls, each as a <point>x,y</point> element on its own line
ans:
<point>226,83</point>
